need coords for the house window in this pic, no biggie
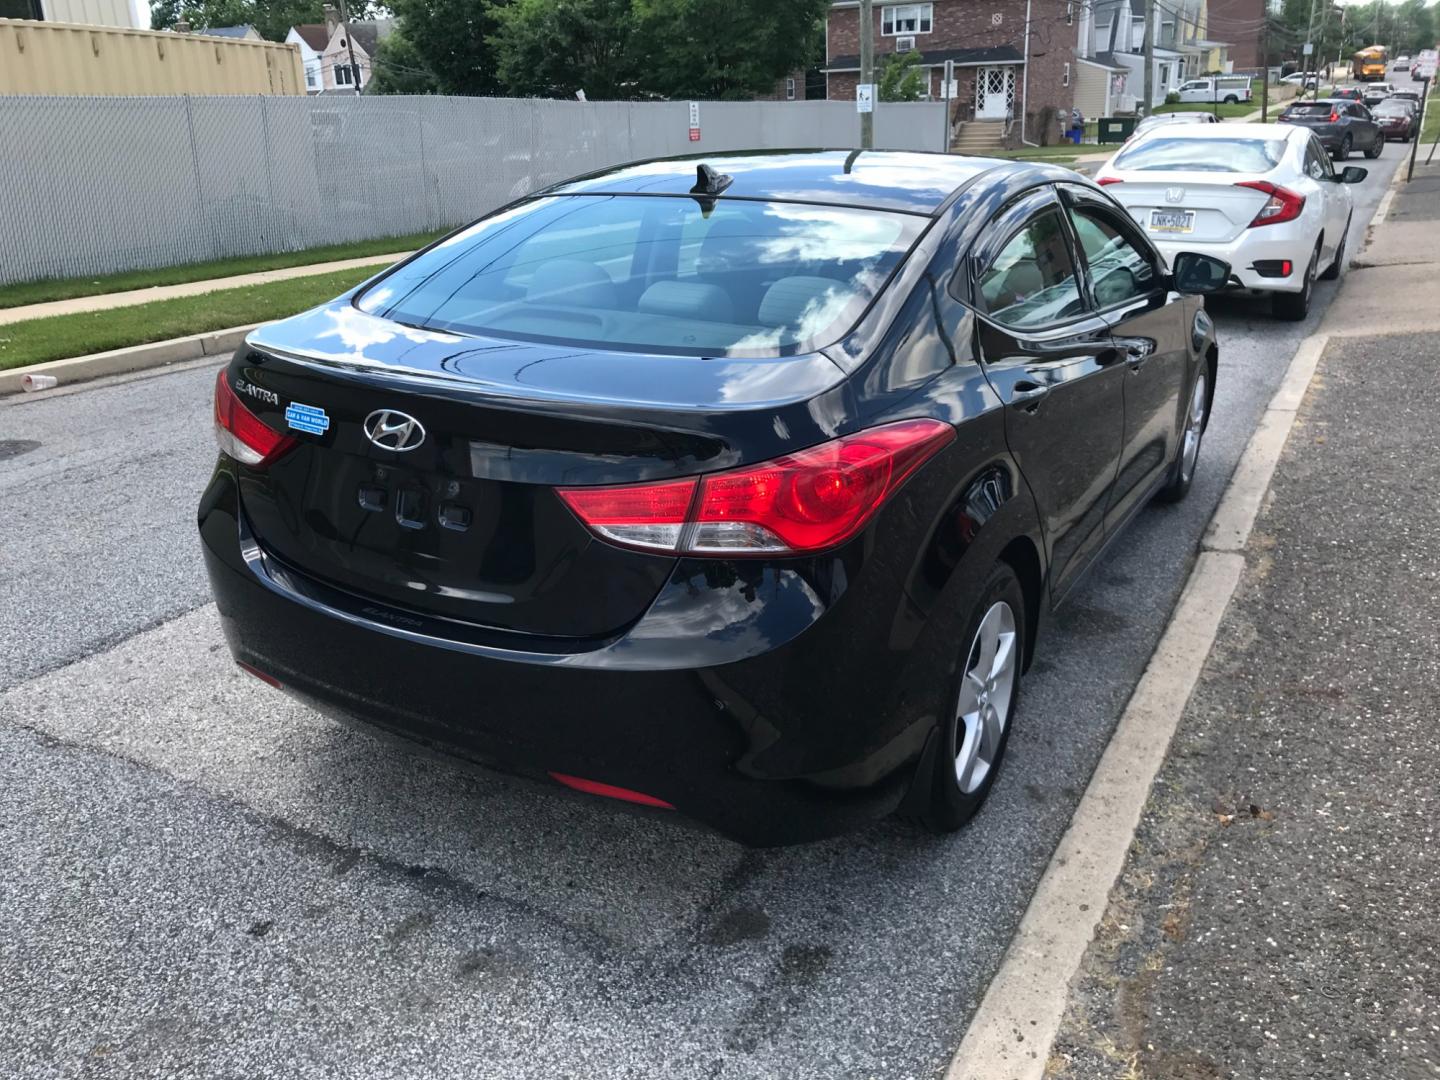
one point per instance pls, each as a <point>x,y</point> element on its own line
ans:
<point>906,19</point>
<point>312,77</point>
<point>789,89</point>
<point>342,73</point>
<point>1065,76</point>
<point>1070,13</point>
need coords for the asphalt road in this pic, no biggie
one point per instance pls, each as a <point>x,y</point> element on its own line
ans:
<point>198,877</point>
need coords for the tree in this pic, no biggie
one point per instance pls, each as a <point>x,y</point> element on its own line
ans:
<point>398,68</point>
<point>452,39</point>
<point>551,48</point>
<point>271,19</point>
<point>902,78</point>
<point>736,49</point>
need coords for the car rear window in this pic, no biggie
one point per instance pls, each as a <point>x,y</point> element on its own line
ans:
<point>729,277</point>
<point>1391,108</point>
<point>1159,153</point>
<point>1312,109</point>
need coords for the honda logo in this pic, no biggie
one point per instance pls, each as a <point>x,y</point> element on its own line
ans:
<point>391,430</point>
<point>1174,194</point>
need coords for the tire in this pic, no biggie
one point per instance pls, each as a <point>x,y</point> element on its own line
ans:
<point>958,788</point>
<point>1197,415</point>
<point>1379,147</point>
<point>1231,99</point>
<point>1336,268</point>
<point>1292,307</point>
<point>1343,150</point>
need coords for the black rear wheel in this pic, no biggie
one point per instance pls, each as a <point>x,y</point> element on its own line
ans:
<point>1375,150</point>
<point>983,697</point>
<point>1336,268</point>
<point>1343,150</point>
<point>1293,307</point>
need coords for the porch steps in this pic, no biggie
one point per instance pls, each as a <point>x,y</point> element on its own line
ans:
<point>978,137</point>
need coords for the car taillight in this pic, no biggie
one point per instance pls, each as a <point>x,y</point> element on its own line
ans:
<point>1334,117</point>
<point>804,502</point>
<point>242,434</point>
<point>1283,204</point>
<point>1104,180</point>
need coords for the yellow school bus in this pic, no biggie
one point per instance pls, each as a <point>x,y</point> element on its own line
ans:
<point>1370,65</point>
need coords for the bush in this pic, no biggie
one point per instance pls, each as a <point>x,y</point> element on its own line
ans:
<point>1172,98</point>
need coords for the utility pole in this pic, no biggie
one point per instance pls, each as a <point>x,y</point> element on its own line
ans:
<point>350,46</point>
<point>1265,71</point>
<point>1149,57</point>
<point>1309,52</point>
<point>867,72</point>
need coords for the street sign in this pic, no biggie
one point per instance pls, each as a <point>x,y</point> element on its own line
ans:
<point>1309,48</point>
<point>694,121</point>
<point>865,97</point>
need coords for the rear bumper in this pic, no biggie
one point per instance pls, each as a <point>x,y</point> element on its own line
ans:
<point>1271,243</point>
<point>789,743</point>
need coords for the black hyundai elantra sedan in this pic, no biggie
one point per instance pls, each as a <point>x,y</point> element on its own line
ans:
<point>732,485</point>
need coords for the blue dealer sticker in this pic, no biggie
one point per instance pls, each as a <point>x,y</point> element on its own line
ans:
<point>307,418</point>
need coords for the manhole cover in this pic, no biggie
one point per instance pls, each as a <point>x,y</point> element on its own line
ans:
<point>13,448</point>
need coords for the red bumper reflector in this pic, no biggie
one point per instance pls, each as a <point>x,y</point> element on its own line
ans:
<point>250,669</point>
<point>610,791</point>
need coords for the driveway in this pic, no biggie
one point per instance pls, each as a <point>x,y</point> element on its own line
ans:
<point>199,877</point>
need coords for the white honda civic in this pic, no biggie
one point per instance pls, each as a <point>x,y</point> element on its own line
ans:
<point>1265,198</point>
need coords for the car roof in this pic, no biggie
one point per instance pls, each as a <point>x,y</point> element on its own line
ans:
<point>914,182</point>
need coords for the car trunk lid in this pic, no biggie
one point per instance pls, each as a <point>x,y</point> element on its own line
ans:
<point>1192,207</point>
<point>426,463</point>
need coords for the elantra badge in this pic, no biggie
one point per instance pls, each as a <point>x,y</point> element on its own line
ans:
<point>1174,194</point>
<point>391,430</point>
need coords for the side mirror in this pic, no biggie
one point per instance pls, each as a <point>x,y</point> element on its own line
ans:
<point>1193,273</point>
<point>1352,174</point>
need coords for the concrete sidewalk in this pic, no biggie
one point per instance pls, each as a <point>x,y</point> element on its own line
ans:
<point>106,301</point>
<point>1277,915</point>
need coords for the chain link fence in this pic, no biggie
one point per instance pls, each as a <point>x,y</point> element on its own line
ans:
<point>98,185</point>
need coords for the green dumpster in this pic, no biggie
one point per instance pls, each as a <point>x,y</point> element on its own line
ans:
<point>1116,129</point>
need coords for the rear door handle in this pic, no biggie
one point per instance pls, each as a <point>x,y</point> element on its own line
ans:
<point>1028,395</point>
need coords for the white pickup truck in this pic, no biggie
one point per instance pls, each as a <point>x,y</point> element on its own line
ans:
<point>1227,89</point>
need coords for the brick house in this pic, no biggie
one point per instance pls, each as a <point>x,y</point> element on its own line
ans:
<point>987,41</point>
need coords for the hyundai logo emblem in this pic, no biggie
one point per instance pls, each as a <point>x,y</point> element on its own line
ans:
<point>391,430</point>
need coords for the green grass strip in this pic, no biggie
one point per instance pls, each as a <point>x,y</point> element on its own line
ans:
<point>40,292</point>
<point>34,341</point>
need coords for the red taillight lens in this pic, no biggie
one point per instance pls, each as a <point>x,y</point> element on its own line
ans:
<point>1334,117</point>
<point>804,502</point>
<point>1283,204</point>
<point>1105,180</point>
<point>242,434</point>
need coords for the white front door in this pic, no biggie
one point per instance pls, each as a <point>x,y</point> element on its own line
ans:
<point>994,92</point>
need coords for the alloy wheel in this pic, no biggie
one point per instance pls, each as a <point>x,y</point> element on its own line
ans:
<point>986,692</point>
<point>1194,428</point>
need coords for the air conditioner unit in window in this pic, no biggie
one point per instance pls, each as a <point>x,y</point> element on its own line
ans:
<point>904,44</point>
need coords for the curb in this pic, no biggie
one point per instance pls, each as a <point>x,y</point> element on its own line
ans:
<point>132,358</point>
<point>1012,1032</point>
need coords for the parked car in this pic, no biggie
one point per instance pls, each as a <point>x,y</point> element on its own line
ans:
<point>1300,78</point>
<point>1375,93</point>
<point>1150,123</point>
<point>1407,95</point>
<point>1398,119</point>
<point>1347,93</point>
<point>1401,63</point>
<point>739,494</point>
<point>1341,126</point>
<point>1263,198</point>
<point>1229,90</point>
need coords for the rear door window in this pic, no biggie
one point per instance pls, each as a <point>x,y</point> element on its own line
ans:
<point>1031,281</point>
